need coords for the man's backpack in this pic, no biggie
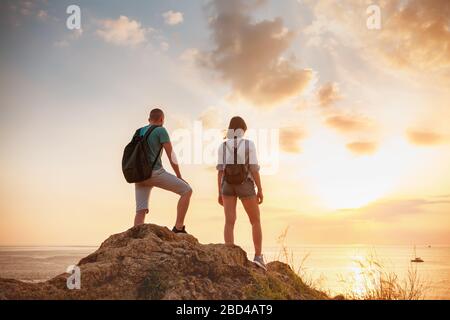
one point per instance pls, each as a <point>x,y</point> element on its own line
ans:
<point>236,173</point>
<point>136,166</point>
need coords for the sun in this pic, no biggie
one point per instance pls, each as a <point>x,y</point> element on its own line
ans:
<point>350,183</point>
<point>337,196</point>
<point>342,180</point>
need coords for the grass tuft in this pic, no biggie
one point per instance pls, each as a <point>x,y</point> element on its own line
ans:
<point>373,281</point>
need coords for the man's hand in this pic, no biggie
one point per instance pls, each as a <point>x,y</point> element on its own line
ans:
<point>181,178</point>
<point>220,200</point>
<point>260,196</point>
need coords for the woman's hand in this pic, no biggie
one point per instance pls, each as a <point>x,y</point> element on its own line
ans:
<point>220,200</point>
<point>260,196</point>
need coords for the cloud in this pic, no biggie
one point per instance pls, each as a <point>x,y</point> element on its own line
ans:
<point>424,30</point>
<point>69,38</point>
<point>189,55</point>
<point>290,139</point>
<point>328,94</point>
<point>392,208</point>
<point>61,43</point>
<point>347,123</point>
<point>164,46</point>
<point>362,147</point>
<point>122,32</point>
<point>173,18</point>
<point>211,118</point>
<point>248,54</point>
<point>42,14</point>
<point>302,104</point>
<point>14,12</point>
<point>424,137</point>
<point>26,8</point>
<point>414,34</point>
<point>384,221</point>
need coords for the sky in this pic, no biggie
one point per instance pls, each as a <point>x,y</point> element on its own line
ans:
<point>350,117</point>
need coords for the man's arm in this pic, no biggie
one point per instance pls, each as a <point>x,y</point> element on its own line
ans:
<point>172,158</point>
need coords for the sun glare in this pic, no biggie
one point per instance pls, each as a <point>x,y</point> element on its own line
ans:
<point>343,180</point>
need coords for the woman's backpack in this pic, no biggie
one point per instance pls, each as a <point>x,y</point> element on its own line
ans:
<point>236,173</point>
<point>136,166</point>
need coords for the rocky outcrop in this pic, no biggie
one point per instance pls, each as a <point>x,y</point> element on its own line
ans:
<point>151,262</point>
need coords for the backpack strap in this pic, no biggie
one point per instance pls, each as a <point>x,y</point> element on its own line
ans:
<point>156,158</point>
<point>224,154</point>
<point>149,132</point>
<point>146,136</point>
<point>235,150</point>
<point>137,134</point>
<point>247,152</point>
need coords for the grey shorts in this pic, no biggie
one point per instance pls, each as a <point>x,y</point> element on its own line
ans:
<point>242,191</point>
<point>160,179</point>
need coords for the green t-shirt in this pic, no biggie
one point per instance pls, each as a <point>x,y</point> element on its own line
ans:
<point>155,141</point>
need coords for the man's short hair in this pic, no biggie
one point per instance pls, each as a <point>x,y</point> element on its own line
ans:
<point>156,114</point>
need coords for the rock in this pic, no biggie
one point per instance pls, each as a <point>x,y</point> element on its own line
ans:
<point>151,262</point>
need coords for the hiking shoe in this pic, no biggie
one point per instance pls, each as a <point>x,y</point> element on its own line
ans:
<point>259,261</point>
<point>179,231</point>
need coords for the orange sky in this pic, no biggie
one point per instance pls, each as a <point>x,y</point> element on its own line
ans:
<point>361,115</point>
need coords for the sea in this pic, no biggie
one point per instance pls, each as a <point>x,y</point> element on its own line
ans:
<point>349,270</point>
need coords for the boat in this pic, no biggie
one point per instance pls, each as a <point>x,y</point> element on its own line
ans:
<point>416,259</point>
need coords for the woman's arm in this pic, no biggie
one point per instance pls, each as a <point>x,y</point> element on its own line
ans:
<point>254,169</point>
<point>257,178</point>
<point>219,184</point>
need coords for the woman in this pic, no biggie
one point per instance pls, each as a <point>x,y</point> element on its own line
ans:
<point>240,154</point>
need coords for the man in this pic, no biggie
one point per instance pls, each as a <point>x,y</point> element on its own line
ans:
<point>159,139</point>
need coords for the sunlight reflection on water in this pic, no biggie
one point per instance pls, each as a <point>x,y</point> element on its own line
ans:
<point>340,269</point>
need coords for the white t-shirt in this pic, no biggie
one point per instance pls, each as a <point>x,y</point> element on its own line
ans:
<point>229,154</point>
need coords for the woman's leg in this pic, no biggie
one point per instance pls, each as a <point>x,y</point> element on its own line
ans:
<point>252,208</point>
<point>229,205</point>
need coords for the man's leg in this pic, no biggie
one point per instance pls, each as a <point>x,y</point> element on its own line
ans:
<point>139,218</point>
<point>182,208</point>
<point>142,193</point>
<point>169,182</point>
